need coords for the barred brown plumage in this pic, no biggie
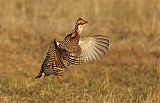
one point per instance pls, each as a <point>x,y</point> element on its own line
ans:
<point>73,50</point>
<point>57,59</point>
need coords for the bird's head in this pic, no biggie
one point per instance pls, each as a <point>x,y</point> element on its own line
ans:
<point>80,25</point>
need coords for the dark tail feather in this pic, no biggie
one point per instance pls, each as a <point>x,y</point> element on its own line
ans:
<point>39,75</point>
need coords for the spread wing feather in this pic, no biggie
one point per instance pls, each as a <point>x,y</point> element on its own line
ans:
<point>93,48</point>
<point>57,59</point>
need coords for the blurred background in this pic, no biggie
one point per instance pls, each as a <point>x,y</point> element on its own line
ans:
<point>130,72</point>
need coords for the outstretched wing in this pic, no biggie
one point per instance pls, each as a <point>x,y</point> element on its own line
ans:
<point>57,59</point>
<point>93,48</point>
<point>52,63</point>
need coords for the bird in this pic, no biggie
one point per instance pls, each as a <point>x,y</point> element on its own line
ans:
<point>74,49</point>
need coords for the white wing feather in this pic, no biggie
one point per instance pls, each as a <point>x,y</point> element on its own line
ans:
<point>93,48</point>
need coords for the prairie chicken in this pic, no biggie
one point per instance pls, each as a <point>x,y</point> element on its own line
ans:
<point>73,50</point>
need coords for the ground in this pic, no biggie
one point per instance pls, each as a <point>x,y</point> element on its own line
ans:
<point>129,73</point>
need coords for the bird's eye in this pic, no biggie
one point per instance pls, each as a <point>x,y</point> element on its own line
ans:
<point>80,23</point>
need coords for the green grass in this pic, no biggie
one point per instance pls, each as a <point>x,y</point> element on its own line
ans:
<point>129,73</point>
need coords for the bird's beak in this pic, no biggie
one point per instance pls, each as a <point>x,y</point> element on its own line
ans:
<point>86,21</point>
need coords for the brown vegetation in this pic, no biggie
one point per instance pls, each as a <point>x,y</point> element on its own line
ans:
<point>129,73</point>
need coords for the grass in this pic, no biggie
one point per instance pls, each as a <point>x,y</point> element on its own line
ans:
<point>129,73</point>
